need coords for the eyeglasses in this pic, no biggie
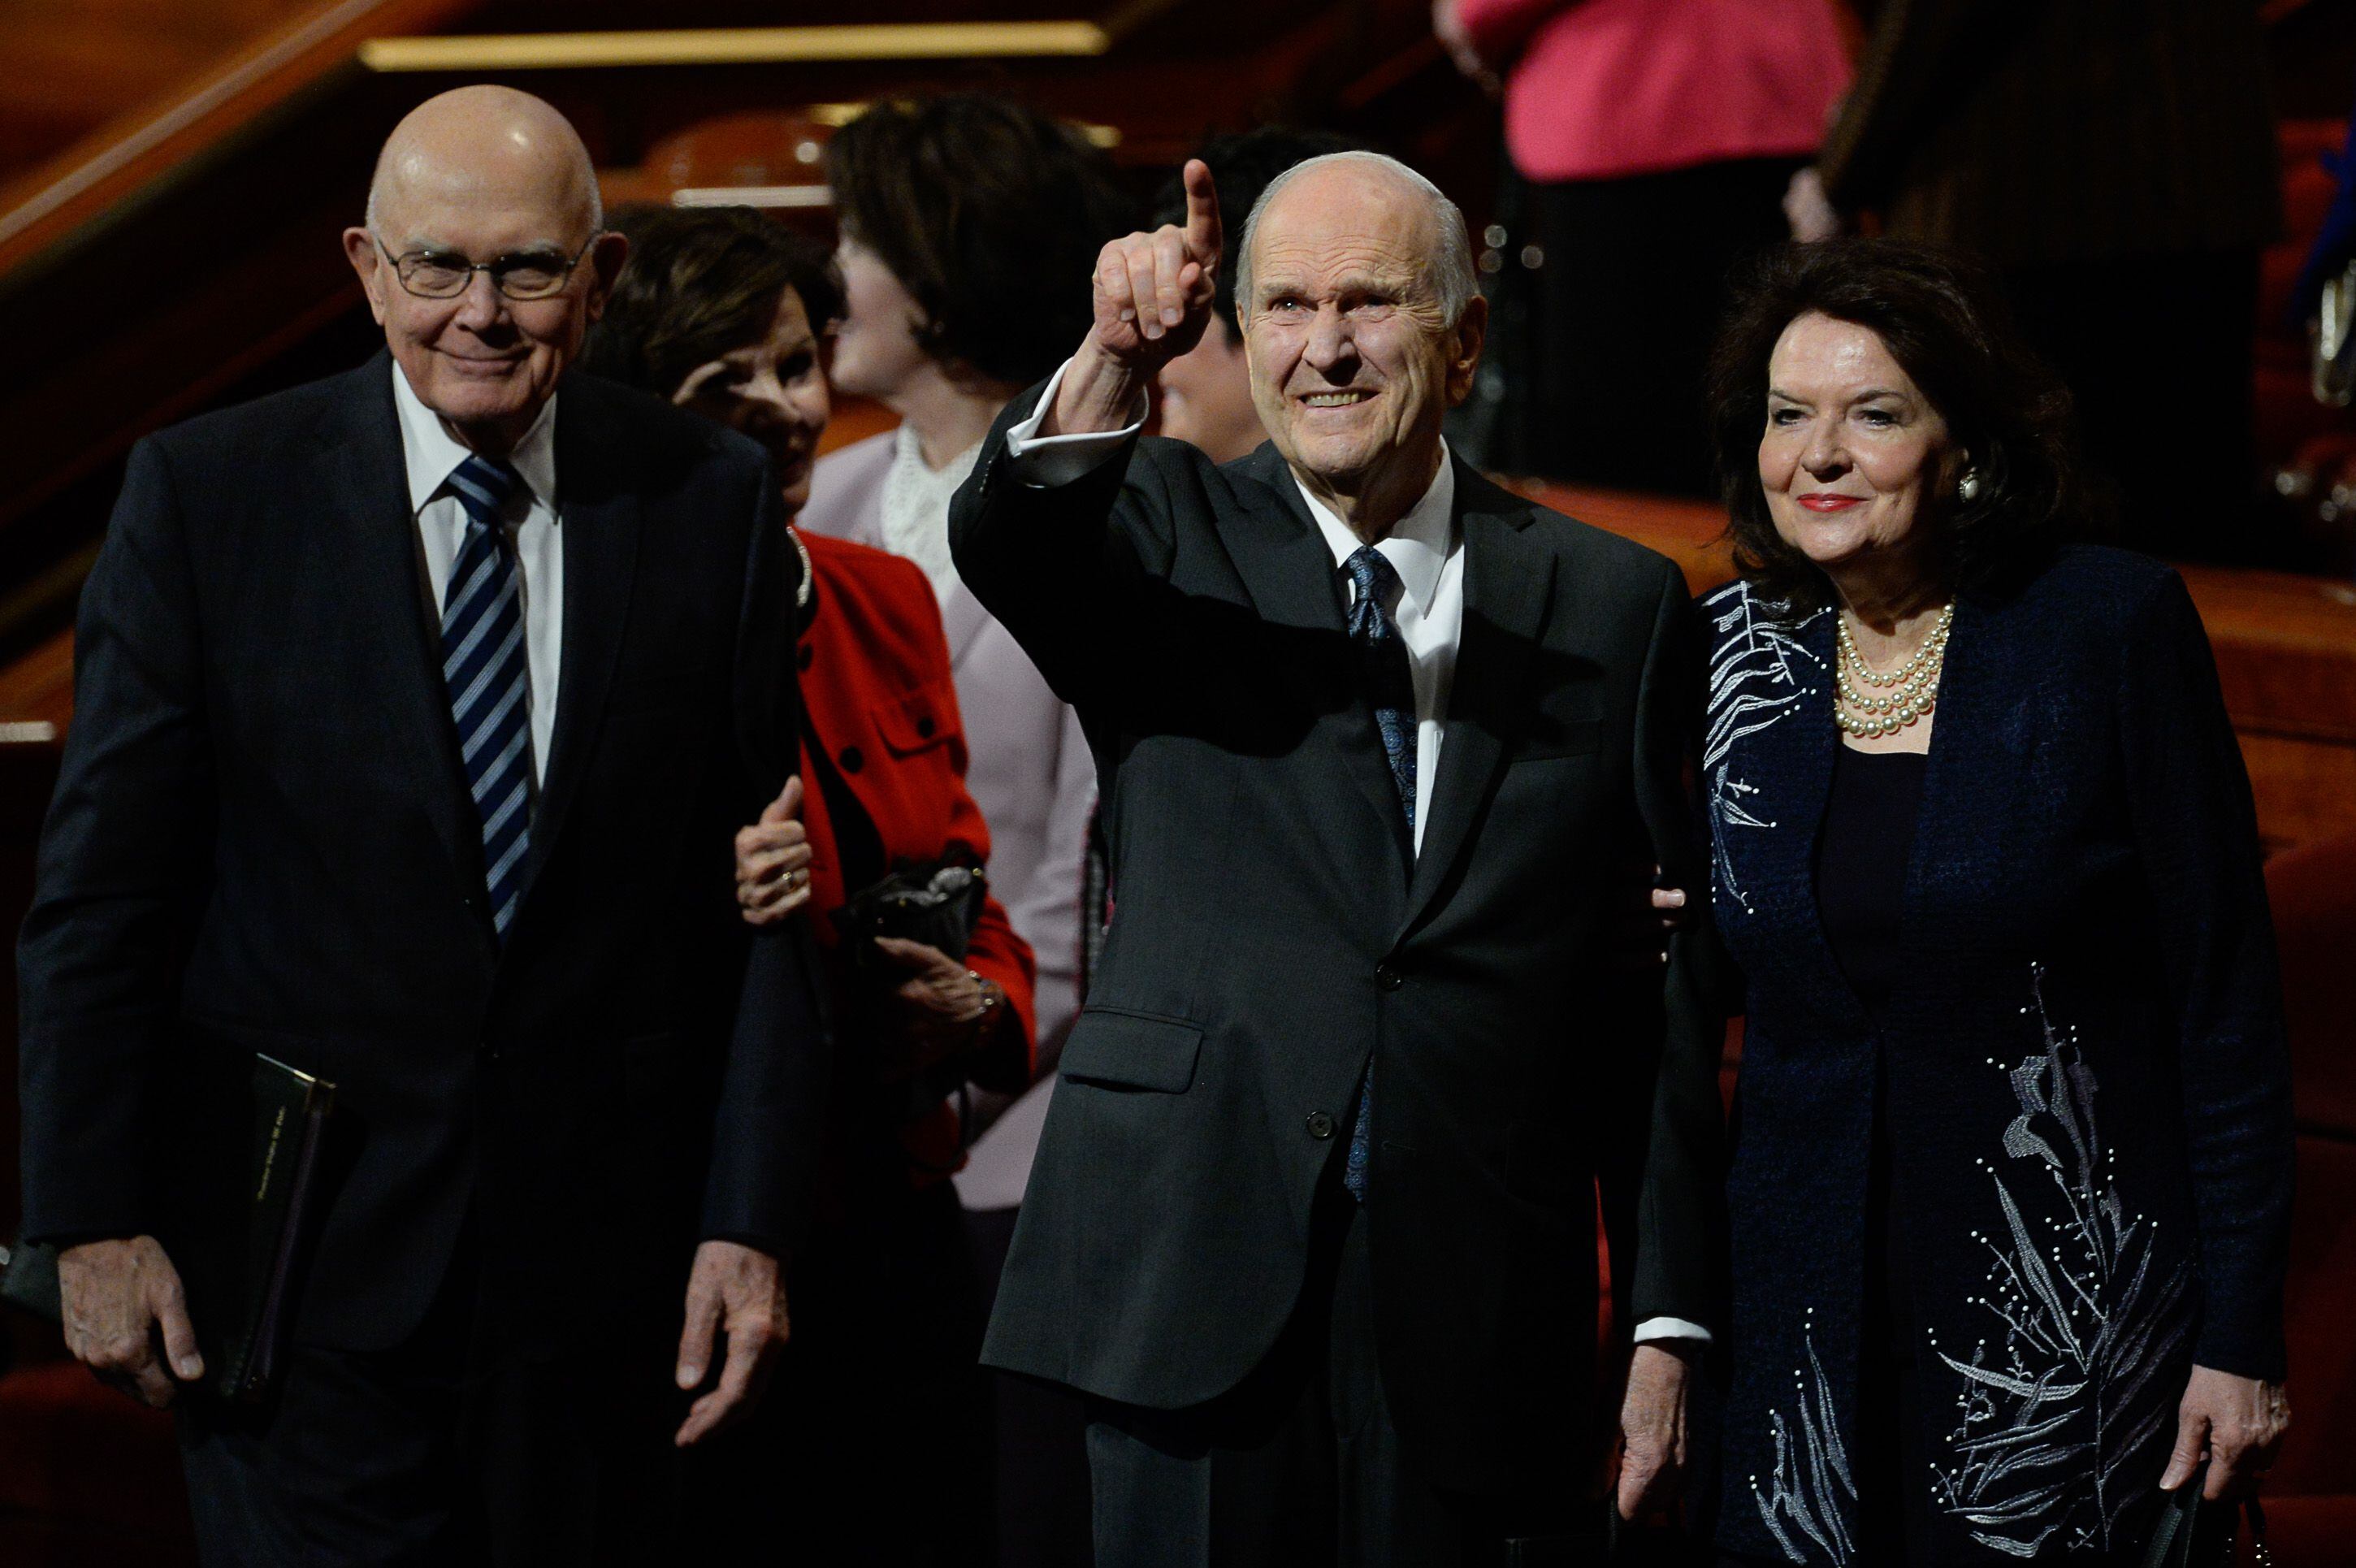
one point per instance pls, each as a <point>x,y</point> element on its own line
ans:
<point>525,274</point>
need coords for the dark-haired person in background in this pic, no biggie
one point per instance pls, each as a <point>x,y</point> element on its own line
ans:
<point>964,218</point>
<point>965,221</point>
<point>1206,399</point>
<point>2011,1187</point>
<point>879,1400</point>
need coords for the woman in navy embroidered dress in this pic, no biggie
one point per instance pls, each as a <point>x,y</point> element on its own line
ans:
<point>2012,1164</point>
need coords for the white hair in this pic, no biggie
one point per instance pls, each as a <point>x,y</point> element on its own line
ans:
<point>1451,263</point>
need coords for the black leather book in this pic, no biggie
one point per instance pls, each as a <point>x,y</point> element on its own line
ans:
<point>290,1122</point>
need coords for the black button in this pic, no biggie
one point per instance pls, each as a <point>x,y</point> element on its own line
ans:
<point>802,659</point>
<point>1319,1125</point>
<point>1387,978</point>
<point>924,728</point>
<point>851,759</point>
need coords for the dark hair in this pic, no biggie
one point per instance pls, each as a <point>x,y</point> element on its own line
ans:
<point>1242,164</point>
<point>1942,322</point>
<point>990,214</point>
<point>702,282</point>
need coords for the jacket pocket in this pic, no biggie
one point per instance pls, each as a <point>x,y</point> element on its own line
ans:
<point>923,717</point>
<point>1132,1050</point>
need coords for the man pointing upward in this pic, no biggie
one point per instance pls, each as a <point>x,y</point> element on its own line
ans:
<point>1313,1220</point>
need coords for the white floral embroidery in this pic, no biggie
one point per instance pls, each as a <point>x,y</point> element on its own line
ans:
<point>1760,670</point>
<point>2060,1421</point>
<point>1811,1487</point>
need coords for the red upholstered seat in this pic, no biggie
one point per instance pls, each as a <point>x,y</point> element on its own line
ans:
<point>2312,891</point>
<point>88,1478</point>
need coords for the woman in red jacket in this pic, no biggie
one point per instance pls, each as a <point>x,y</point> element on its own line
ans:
<point>873,1432</point>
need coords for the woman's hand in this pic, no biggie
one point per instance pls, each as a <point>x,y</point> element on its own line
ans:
<point>940,1007</point>
<point>773,859</point>
<point>2236,1423</point>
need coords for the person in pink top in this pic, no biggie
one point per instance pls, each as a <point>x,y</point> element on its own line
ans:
<point>1656,139</point>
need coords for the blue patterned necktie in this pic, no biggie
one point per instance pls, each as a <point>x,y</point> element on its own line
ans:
<point>1390,689</point>
<point>489,680</point>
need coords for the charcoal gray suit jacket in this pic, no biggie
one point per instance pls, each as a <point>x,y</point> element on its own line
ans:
<point>1274,931</point>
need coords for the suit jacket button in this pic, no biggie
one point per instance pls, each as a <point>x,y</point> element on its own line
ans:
<point>852,760</point>
<point>1387,978</point>
<point>925,729</point>
<point>1319,1125</point>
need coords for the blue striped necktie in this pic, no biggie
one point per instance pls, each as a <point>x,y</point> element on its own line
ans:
<point>1390,688</point>
<point>489,680</point>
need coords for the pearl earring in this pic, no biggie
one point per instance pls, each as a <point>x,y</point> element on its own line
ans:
<point>1968,486</point>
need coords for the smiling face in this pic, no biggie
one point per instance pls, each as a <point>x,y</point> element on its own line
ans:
<point>478,175</point>
<point>773,390</point>
<point>1353,358</point>
<point>1852,451</point>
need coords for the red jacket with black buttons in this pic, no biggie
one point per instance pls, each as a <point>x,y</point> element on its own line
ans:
<point>877,693</point>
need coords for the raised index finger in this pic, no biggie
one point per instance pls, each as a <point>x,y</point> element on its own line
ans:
<point>1205,238</point>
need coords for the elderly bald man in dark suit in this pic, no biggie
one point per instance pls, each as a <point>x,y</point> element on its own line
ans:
<point>1312,1217</point>
<point>415,709</point>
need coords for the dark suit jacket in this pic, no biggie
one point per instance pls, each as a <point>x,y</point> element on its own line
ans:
<point>1272,934</point>
<point>262,841</point>
<point>2083,1071</point>
<point>2063,129</point>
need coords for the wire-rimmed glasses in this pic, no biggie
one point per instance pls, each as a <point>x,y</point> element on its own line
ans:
<point>539,273</point>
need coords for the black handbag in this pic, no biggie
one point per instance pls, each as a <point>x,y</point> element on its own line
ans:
<point>936,905</point>
<point>2192,1533</point>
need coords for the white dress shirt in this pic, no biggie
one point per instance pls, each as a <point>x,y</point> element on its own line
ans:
<point>432,453</point>
<point>1427,552</point>
<point>1426,549</point>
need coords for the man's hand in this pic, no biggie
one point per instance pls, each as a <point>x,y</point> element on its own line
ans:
<point>773,860</point>
<point>740,1293</point>
<point>2236,1423</point>
<point>117,1296</point>
<point>1653,1427</point>
<point>1648,918</point>
<point>1153,295</point>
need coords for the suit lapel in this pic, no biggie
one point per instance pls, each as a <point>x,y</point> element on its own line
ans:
<point>1508,583</point>
<point>597,528</point>
<point>1289,572</point>
<point>367,480</point>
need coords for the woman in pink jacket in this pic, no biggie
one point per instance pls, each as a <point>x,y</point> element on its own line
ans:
<point>1656,138</point>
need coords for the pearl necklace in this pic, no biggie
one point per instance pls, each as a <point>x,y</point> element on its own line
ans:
<point>1898,699</point>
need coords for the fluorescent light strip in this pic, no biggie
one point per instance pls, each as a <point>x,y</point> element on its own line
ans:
<point>753,195</point>
<point>735,46</point>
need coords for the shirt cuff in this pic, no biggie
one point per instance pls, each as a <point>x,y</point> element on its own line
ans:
<point>1653,1328</point>
<point>1044,462</point>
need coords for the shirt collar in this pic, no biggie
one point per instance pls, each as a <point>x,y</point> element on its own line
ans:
<point>1418,547</point>
<point>431,453</point>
